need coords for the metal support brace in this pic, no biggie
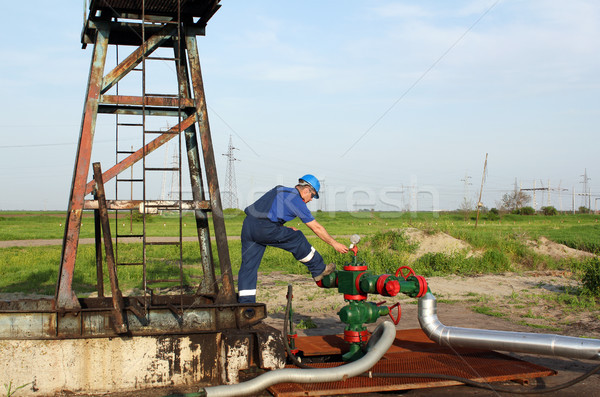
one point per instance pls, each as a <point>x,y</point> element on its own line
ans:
<point>209,284</point>
<point>227,292</point>
<point>64,296</point>
<point>98,246</point>
<point>117,297</point>
<point>136,57</point>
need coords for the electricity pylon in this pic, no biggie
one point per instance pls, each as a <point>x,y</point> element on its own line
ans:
<point>230,196</point>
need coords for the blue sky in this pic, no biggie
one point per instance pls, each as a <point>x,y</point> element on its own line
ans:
<point>391,103</point>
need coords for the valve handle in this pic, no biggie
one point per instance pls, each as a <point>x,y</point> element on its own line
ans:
<point>397,319</point>
<point>411,272</point>
<point>354,239</point>
<point>379,303</point>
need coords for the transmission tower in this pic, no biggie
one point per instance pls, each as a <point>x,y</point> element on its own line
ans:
<point>174,191</point>
<point>230,197</point>
<point>466,188</point>
<point>586,196</point>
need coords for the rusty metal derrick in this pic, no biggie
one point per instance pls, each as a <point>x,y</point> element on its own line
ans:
<point>148,25</point>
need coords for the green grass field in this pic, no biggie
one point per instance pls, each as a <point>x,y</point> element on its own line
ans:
<point>502,243</point>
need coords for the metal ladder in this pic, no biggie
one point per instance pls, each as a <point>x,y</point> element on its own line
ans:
<point>161,259</point>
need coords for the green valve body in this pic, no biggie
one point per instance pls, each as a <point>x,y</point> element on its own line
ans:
<point>358,312</point>
<point>355,282</point>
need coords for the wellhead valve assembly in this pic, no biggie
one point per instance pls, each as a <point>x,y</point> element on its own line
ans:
<point>355,281</point>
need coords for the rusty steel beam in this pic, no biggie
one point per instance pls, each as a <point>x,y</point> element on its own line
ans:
<point>208,285</point>
<point>98,246</point>
<point>136,57</point>
<point>129,33</point>
<point>227,292</point>
<point>166,101</point>
<point>117,296</point>
<point>136,204</point>
<point>139,154</point>
<point>138,110</point>
<point>64,296</point>
<point>35,319</point>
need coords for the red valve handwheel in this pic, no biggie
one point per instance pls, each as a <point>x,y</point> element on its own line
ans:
<point>411,272</point>
<point>397,319</point>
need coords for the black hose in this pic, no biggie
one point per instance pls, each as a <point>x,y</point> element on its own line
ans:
<point>473,383</point>
<point>285,332</point>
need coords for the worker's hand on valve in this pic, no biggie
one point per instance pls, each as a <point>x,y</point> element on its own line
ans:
<point>341,248</point>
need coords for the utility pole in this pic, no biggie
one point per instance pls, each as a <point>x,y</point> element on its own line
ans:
<point>231,199</point>
<point>479,203</point>
<point>322,196</point>
<point>131,198</point>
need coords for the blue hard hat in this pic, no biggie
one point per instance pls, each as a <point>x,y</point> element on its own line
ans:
<point>312,181</point>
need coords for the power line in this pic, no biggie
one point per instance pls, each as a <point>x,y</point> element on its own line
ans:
<point>51,144</point>
<point>421,77</point>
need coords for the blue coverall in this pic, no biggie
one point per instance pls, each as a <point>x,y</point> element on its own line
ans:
<point>263,226</point>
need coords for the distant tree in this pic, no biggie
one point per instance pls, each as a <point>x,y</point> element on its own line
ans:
<point>549,210</point>
<point>493,214</point>
<point>466,207</point>
<point>525,211</point>
<point>514,200</point>
<point>584,210</point>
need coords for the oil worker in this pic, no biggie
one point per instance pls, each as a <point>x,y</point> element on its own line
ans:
<point>264,226</point>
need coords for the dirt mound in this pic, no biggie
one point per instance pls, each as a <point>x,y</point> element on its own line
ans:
<point>444,243</point>
<point>435,243</point>
<point>557,251</point>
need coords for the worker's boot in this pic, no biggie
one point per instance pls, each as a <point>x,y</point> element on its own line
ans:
<point>328,270</point>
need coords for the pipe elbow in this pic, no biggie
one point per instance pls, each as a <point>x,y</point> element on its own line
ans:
<point>427,315</point>
<point>382,339</point>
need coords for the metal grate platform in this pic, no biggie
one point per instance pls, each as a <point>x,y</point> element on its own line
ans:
<point>412,352</point>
